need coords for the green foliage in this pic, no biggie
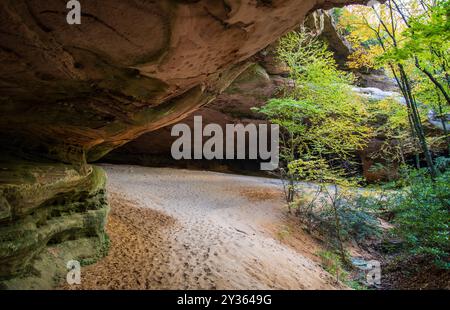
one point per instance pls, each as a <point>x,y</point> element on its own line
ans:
<point>338,213</point>
<point>425,45</point>
<point>356,219</point>
<point>320,116</point>
<point>389,118</point>
<point>411,41</point>
<point>332,263</point>
<point>426,29</point>
<point>313,169</point>
<point>420,209</point>
<point>442,163</point>
<point>323,124</point>
<point>423,215</point>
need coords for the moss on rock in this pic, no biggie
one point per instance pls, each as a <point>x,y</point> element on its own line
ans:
<point>49,205</point>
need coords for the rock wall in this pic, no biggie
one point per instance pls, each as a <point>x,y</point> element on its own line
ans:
<point>49,206</point>
<point>75,92</point>
<point>322,24</point>
<point>261,81</point>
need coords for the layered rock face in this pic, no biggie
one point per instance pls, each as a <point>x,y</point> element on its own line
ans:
<point>261,81</point>
<point>323,25</point>
<point>49,214</point>
<point>69,94</point>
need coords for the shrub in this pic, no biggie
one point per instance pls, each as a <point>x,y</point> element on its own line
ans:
<point>332,263</point>
<point>422,215</point>
<point>339,213</point>
<point>356,220</point>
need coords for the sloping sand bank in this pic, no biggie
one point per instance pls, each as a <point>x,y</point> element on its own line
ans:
<point>180,229</point>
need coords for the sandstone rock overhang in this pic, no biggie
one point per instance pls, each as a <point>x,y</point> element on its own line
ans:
<point>72,93</point>
<point>69,94</point>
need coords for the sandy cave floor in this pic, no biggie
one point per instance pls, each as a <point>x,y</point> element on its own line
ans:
<point>181,229</point>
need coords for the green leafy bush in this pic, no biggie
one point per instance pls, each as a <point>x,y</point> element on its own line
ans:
<point>423,217</point>
<point>332,263</point>
<point>356,220</point>
<point>339,213</point>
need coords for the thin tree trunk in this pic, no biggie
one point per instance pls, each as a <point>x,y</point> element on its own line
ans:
<point>417,122</point>
<point>443,119</point>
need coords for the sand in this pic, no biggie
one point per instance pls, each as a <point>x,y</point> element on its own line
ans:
<point>181,229</point>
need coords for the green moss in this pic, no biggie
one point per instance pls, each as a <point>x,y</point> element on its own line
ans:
<point>61,206</point>
<point>49,268</point>
<point>248,81</point>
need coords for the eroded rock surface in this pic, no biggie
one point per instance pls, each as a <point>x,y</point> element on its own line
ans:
<point>322,24</point>
<point>47,205</point>
<point>76,91</point>
<point>261,81</point>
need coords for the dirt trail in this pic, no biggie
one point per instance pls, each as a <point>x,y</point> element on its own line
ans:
<point>180,229</point>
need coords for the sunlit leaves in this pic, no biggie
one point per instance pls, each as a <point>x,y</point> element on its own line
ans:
<point>323,121</point>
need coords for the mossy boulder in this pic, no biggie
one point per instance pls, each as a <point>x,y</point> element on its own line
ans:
<point>46,205</point>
